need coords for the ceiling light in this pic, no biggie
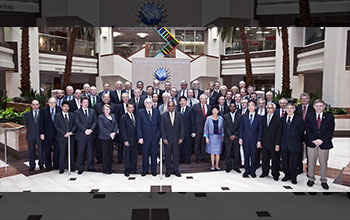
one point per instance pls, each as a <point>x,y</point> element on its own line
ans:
<point>116,34</point>
<point>142,35</point>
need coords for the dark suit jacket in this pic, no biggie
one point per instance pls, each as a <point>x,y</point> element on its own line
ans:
<point>250,134</point>
<point>215,94</point>
<point>231,128</point>
<point>199,117</point>
<point>121,111</point>
<point>226,110</point>
<point>271,136</point>
<point>141,104</point>
<point>325,132</point>
<point>132,93</point>
<point>66,97</point>
<point>73,105</point>
<point>100,94</point>
<point>189,120</point>
<point>98,100</point>
<point>200,92</point>
<point>299,110</point>
<point>106,127</point>
<point>292,138</point>
<point>170,132</point>
<point>82,124</point>
<point>32,127</point>
<point>147,129</point>
<point>61,127</point>
<point>128,131</point>
<point>114,97</point>
<point>47,126</point>
<point>99,106</point>
<point>213,101</point>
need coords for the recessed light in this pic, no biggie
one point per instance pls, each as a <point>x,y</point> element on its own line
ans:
<point>142,35</point>
<point>116,34</point>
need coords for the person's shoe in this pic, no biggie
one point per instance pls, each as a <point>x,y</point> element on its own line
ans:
<point>275,178</point>
<point>325,186</point>
<point>245,175</point>
<point>134,172</point>
<point>310,183</point>
<point>109,172</point>
<point>31,168</point>
<point>48,169</point>
<point>228,170</point>
<point>80,172</point>
<point>126,174</point>
<point>144,173</point>
<point>154,173</point>
<point>217,168</point>
<point>92,170</point>
<point>42,168</point>
<point>212,169</point>
<point>198,161</point>
<point>237,170</point>
<point>72,170</point>
<point>177,173</point>
<point>253,175</point>
<point>263,175</point>
<point>167,174</point>
<point>294,182</point>
<point>285,179</point>
<point>61,172</point>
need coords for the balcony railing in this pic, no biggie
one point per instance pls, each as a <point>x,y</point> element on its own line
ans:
<point>253,45</point>
<point>59,44</point>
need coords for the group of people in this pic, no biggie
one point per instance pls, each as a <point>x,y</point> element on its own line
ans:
<point>217,121</point>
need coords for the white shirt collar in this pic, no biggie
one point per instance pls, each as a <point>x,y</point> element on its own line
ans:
<point>321,114</point>
<point>291,117</point>
<point>64,114</point>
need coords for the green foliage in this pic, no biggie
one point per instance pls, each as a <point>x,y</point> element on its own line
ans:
<point>315,96</point>
<point>282,94</point>
<point>335,111</point>
<point>12,116</point>
<point>3,99</point>
<point>28,97</point>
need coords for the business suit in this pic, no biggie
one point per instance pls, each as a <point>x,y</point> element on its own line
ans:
<point>138,105</point>
<point>325,133</point>
<point>131,93</point>
<point>92,99</point>
<point>231,127</point>
<point>197,93</point>
<point>172,133</point>
<point>250,135</point>
<point>189,128</point>
<point>115,98</point>
<point>100,94</point>
<point>291,140</point>
<point>223,110</point>
<point>163,108</point>
<point>191,102</point>
<point>63,127</point>
<point>107,127</point>
<point>271,136</point>
<point>149,130</point>
<point>122,109</point>
<point>128,133</point>
<point>85,142</point>
<point>47,128</point>
<point>33,137</point>
<point>214,94</point>
<point>199,127</point>
<point>73,106</point>
<point>68,97</point>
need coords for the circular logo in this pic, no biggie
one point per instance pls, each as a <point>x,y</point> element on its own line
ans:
<point>162,74</point>
<point>151,13</point>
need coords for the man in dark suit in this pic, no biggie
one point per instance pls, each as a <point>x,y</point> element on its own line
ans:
<point>138,100</point>
<point>291,140</point>
<point>319,130</point>
<point>105,90</point>
<point>201,111</point>
<point>31,122</point>
<point>189,130</point>
<point>128,135</point>
<point>157,90</point>
<point>269,97</point>
<point>250,137</point>
<point>60,97</point>
<point>155,100</point>
<point>149,92</point>
<point>172,131</point>
<point>65,127</point>
<point>148,134</point>
<point>139,85</point>
<point>48,133</point>
<point>76,102</point>
<point>116,95</point>
<point>127,89</point>
<point>196,90</point>
<point>223,108</point>
<point>69,94</point>
<point>231,129</point>
<point>271,140</point>
<point>94,98</point>
<point>86,122</point>
<point>122,109</point>
<point>281,112</point>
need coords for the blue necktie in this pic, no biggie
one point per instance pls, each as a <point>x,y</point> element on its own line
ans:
<point>251,120</point>
<point>191,102</point>
<point>86,116</point>
<point>183,111</point>
<point>53,114</point>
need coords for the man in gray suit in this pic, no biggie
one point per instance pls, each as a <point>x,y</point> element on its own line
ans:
<point>31,121</point>
<point>86,122</point>
<point>172,131</point>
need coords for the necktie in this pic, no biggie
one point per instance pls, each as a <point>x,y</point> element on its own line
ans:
<point>137,102</point>
<point>133,120</point>
<point>86,115</point>
<point>78,105</point>
<point>260,111</point>
<point>183,93</point>
<point>191,102</point>
<point>251,120</point>
<point>59,102</point>
<point>221,110</point>
<point>172,118</point>
<point>183,111</point>
<point>149,115</point>
<point>282,112</point>
<point>93,101</point>
<point>319,121</point>
<point>203,109</point>
<point>118,94</point>
<point>268,120</point>
<point>288,122</point>
<point>233,117</point>
<point>67,121</point>
<point>304,112</point>
<point>53,114</point>
<point>35,116</point>
<point>154,105</point>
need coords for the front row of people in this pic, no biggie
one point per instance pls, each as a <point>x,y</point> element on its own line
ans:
<point>275,136</point>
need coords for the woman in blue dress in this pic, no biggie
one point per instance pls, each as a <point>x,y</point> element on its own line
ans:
<point>214,134</point>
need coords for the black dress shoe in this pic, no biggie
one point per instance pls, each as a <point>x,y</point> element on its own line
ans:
<point>167,174</point>
<point>72,170</point>
<point>198,161</point>
<point>126,174</point>
<point>154,173</point>
<point>228,170</point>
<point>237,170</point>
<point>325,186</point>
<point>31,168</point>
<point>275,178</point>
<point>285,179</point>
<point>263,175</point>
<point>42,168</point>
<point>294,182</point>
<point>144,173</point>
<point>48,169</point>
<point>310,183</point>
<point>177,173</point>
<point>253,175</point>
<point>61,172</point>
<point>245,175</point>
<point>80,172</point>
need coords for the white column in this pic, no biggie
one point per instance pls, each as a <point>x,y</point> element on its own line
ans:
<point>34,58</point>
<point>104,45</point>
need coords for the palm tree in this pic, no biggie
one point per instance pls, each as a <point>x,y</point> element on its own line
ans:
<point>25,62</point>
<point>69,57</point>
<point>228,33</point>
<point>286,91</point>
<point>304,13</point>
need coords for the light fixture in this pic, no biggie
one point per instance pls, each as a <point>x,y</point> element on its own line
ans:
<point>116,34</point>
<point>41,41</point>
<point>142,35</point>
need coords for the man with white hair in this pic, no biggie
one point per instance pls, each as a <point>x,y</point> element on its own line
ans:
<point>241,84</point>
<point>173,93</point>
<point>122,109</point>
<point>138,100</point>
<point>86,88</point>
<point>167,86</point>
<point>183,90</point>
<point>69,93</point>
<point>196,90</point>
<point>116,95</point>
<point>269,97</point>
<point>156,88</point>
<point>128,89</point>
<point>164,107</point>
<point>190,99</point>
<point>93,98</point>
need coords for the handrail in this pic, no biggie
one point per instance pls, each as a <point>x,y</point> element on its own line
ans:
<point>5,136</point>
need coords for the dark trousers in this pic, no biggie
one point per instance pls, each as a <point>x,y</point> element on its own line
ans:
<point>267,155</point>
<point>172,156</point>
<point>200,146</point>
<point>107,153</point>
<point>85,145</point>
<point>63,150</point>
<point>149,147</point>
<point>185,149</point>
<point>98,150</point>
<point>48,144</point>
<point>120,149</point>
<point>290,161</point>
<point>32,152</point>
<point>130,158</point>
<point>250,161</point>
<point>232,146</point>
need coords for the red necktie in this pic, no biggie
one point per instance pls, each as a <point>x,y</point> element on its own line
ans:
<point>203,110</point>
<point>304,112</point>
<point>154,105</point>
<point>319,121</point>
<point>282,113</point>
